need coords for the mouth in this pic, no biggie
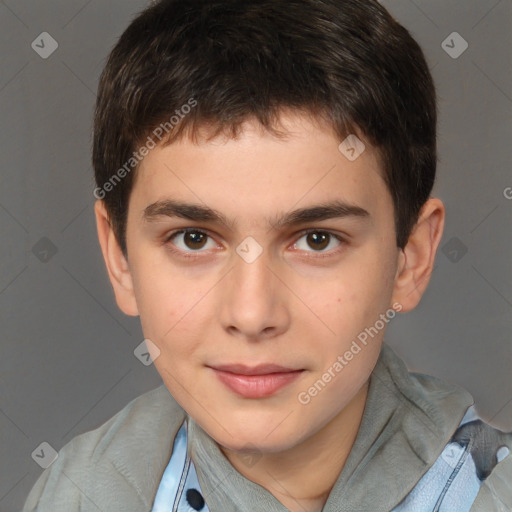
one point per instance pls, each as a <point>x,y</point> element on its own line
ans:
<point>255,382</point>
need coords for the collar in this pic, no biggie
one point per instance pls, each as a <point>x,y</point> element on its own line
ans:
<point>407,421</point>
<point>132,451</point>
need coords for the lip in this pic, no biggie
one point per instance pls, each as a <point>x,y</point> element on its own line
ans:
<point>261,369</point>
<point>257,381</point>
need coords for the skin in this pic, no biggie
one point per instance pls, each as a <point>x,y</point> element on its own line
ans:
<point>300,304</point>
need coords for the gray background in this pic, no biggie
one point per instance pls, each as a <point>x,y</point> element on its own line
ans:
<point>67,361</point>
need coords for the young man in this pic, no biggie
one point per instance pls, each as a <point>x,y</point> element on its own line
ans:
<point>264,171</point>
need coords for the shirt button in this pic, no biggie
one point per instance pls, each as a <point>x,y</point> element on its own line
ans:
<point>194,499</point>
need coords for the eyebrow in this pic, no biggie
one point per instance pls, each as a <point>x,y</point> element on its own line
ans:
<point>199,213</point>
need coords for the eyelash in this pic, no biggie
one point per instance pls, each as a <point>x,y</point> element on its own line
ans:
<point>196,254</point>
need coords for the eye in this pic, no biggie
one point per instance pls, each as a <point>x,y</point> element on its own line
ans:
<point>191,240</point>
<point>319,241</point>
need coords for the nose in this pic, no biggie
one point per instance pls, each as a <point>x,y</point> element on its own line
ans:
<point>253,301</point>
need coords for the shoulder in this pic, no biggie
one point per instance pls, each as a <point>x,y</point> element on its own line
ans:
<point>126,454</point>
<point>469,461</point>
<point>495,494</point>
<point>473,473</point>
<point>490,451</point>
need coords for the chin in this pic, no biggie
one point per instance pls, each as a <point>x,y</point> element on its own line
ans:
<point>257,438</point>
<point>257,445</point>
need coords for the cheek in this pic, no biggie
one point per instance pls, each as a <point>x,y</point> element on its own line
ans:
<point>372,277</point>
<point>165,300</point>
<point>357,288</point>
<point>351,299</point>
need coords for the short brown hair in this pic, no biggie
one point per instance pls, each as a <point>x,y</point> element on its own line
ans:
<point>347,61</point>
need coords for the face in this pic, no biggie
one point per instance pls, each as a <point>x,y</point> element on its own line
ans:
<point>256,263</point>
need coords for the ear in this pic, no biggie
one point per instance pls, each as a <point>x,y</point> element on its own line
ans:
<point>117,265</point>
<point>416,259</point>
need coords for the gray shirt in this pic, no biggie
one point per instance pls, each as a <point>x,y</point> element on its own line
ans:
<point>408,420</point>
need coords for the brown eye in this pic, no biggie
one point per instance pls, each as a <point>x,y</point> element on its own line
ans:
<point>195,240</point>
<point>318,241</point>
<point>191,241</point>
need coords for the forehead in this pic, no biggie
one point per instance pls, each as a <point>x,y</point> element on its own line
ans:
<point>258,174</point>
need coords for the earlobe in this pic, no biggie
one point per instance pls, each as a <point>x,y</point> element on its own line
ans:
<point>418,256</point>
<point>115,261</point>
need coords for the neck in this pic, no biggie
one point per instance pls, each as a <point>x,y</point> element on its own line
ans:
<point>302,477</point>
